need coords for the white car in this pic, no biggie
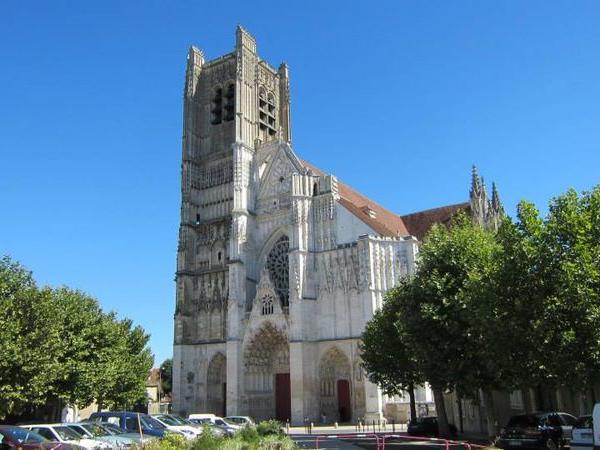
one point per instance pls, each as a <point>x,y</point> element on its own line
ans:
<point>582,437</point>
<point>199,418</point>
<point>240,420</point>
<point>215,421</point>
<point>62,433</point>
<point>189,431</point>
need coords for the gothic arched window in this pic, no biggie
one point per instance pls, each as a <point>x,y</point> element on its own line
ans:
<point>267,305</point>
<point>217,106</point>
<point>230,103</point>
<point>278,267</point>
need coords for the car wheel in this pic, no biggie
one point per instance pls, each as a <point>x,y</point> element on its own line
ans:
<point>550,444</point>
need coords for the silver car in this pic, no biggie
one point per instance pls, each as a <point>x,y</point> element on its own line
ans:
<point>98,432</point>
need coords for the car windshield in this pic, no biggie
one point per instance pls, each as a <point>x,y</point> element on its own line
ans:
<point>79,430</point>
<point>524,421</point>
<point>95,429</point>
<point>67,433</point>
<point>23,436</point>
<point>585,422</point>
<point>168,420</point>
<point>112,428</point>
<point>151,423</point>
<point>183,421</point>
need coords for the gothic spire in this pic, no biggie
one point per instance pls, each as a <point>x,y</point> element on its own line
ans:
<point>496,203</point>
<point>475,183</point>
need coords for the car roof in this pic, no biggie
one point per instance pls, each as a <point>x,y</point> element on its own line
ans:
<point>43,425</point>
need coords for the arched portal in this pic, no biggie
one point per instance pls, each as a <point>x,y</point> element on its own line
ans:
<point>216,382</point>
<point>267,374</point>
<point>335,386</point>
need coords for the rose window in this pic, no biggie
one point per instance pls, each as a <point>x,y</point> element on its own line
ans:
<point>278,267</point>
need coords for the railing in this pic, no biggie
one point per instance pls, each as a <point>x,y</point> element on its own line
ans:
<point>380,439</point>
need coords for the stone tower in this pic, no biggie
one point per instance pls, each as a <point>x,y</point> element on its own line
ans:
<point>232,105</point>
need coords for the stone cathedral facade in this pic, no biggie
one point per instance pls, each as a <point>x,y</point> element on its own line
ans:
<point>279,265</point>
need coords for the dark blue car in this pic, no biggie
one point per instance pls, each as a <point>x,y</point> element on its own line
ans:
<point>130,422</point>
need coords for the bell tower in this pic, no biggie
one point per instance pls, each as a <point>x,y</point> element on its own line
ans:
<point>231,105</point>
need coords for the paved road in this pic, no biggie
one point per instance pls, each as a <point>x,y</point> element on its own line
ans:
<point>366,442</point>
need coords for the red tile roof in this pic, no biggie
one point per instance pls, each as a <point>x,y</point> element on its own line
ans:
<point>419,223</point>
<point>385,222</point>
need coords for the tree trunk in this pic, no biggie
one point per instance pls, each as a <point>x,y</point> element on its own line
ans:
<point>440,407</point>
<point>490,417</point>
<point>413,403</point>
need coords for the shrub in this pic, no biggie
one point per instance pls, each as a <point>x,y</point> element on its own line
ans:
<point>208,441</point>
<point>248,434</point>
<point>273,442</point>
<point>270,427</point>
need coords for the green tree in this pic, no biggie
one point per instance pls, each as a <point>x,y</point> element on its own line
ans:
<point>80,346</point>
<point>57,346</point>
<point>125,365</point>
<point>387,358</point>
<point>571,257</point>
<point>29,334</point>
<point>166,376</point>
<point>437,313</point>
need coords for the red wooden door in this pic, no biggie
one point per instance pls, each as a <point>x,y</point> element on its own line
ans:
<point>283,400</point>
<point>344,408</point>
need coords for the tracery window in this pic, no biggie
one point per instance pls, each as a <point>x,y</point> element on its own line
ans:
<point>216,106</point>
<point>266,112</point>
<point>267,305</point>
<point>230,103</point>
<point>278,267</point>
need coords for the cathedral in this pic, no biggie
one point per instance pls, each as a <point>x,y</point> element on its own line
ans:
<point>279,265</point>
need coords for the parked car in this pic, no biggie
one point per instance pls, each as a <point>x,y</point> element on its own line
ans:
<point>58,432</point>
<point>427,426</point>
<point>131,422</point>
<point>215,421</point>
<point>189,431</point>
<point>98,432</point>
<point>240,420</point>
<point>199,424</point>
<point>582,435</point>
<point>536,431</point>
<point>13,437</point>
<point>115,430</point>
<point>196,418</point>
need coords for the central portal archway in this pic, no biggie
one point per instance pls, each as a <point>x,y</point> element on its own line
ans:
<point>267,374</point>
<point>217,385</point>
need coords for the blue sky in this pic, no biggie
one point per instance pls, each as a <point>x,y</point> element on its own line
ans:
<point>398,99</point>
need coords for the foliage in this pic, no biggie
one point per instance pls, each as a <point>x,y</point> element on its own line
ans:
<point>564,280</point>
<point>166,370</point>
<point>270,427</point>
<point>270,437</point>
<point>504,310</point>
<point>387,358</point>
<point>29,340</point>
<point>57,346</point>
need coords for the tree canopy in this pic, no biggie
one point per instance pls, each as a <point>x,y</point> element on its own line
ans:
<point>57,346</point>
<point>497,309</point>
